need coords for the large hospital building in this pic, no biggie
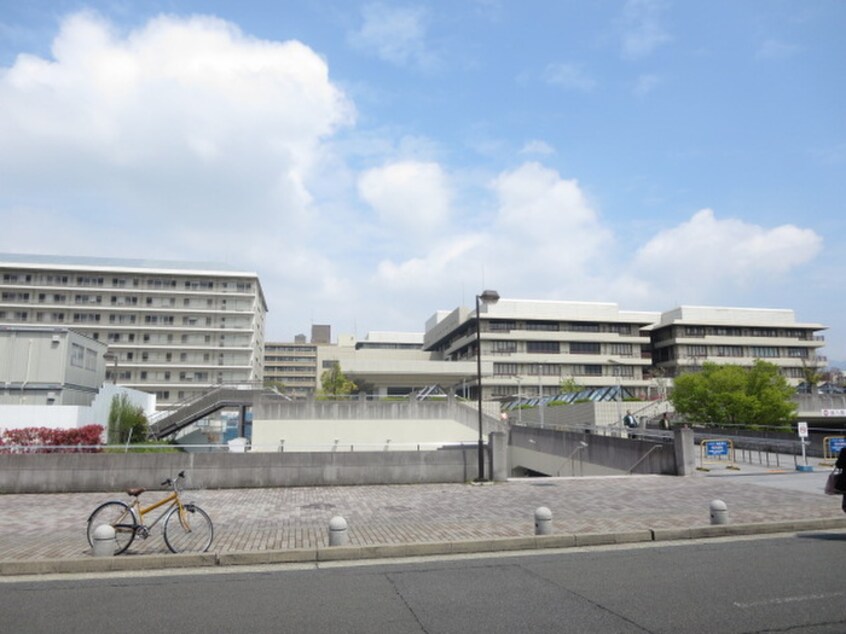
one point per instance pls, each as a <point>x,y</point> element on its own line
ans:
<point>174,329</point>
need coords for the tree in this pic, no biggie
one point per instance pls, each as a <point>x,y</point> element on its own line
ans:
<point>731,394</point>
<point>333,382</point>
<point>569,386</point>
<point>126,421</point>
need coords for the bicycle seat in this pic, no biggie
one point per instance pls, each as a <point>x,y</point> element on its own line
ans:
<point>135,491</point>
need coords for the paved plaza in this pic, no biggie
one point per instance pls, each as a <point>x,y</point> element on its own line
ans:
<point>52,526</point>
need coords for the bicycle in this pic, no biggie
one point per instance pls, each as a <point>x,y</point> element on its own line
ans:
<point>186,528</point>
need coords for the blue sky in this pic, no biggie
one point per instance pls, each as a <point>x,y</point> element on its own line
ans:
<point>375,162</point>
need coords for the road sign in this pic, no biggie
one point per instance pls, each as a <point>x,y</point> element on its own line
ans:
<point>716,447</point>
<point>802,428</point>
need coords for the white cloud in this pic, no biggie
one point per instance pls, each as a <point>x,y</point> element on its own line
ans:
<point>542,239</point>
<point>394,34</point>
<point>166,111</point>
<point>408,195</point>
<point>569,75</point>
<point>642,30</point>
<point>707,257</point>
<point>536,146</point>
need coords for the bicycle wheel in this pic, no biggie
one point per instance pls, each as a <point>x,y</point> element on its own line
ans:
<point>118,515</point>
<point>192,532</point>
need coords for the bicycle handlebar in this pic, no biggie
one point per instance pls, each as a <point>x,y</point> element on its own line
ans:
<point>169,482</point>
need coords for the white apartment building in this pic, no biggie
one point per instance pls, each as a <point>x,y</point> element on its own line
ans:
<point>686,337</point>
<point>173,329</point>
<point>528,348</point>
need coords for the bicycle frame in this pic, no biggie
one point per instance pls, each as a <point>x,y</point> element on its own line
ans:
<point>173,497</point>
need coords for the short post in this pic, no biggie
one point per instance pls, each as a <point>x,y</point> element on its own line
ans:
<point>338,535</point>
<point>719,512</point>
<point>543,521</point>
<point>104,541</point>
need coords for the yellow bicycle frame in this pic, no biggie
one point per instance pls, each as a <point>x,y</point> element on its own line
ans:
<point>136,504</point>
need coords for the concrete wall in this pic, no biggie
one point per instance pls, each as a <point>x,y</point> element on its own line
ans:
<point>546,451</point>
<point>72,416</point>
<point>358,435</point>
<point>57,473</point>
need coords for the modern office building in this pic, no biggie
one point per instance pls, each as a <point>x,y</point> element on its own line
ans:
<point>394,364</point>
<point>529,348</point>
<point>172,329</point>
<point>686,337</point>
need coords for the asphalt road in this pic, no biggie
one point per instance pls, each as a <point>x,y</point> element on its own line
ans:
<point>789,583</point>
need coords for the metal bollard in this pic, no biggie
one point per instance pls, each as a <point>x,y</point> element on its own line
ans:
<point>719,512</point>
<point>543,521</point>
<point>104,541</point>
<point>338,535</point>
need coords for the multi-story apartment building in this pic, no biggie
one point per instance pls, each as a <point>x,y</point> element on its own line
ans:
<point>530,348</point>
<point>291,367</point>
<point>686,337</point>
<point>172,328</point>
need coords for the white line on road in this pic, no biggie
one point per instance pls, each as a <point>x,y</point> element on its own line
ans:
<point>783,600</point>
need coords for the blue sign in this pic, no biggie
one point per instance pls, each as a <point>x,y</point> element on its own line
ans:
<point>717,447</point>
<point>835,445</point>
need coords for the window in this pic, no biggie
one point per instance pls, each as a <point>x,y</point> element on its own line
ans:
<point>545,347</point>
<point>620,329</point>
<point>500,325</point>
<point>77,355</point>
<point>583,326</point>
<point>694,331</point>
<point>620,349</point>
<point>90,359</point>
<point>728,351</point>
<point>697,351</point>
<point>504,347</point>
<point>505,369</point>
<point>799,353</point>
<point>546,326</point>
<point>762,352</point>
<point>584,347</point>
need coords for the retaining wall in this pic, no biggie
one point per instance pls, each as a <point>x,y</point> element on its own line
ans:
<point>62,473</point>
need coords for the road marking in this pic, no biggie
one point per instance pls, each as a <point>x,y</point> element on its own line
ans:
<point>784,600</point>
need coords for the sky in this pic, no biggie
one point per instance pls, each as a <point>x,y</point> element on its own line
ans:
<point>375,162</point>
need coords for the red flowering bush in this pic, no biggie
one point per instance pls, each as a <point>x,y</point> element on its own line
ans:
<point>40,439</point>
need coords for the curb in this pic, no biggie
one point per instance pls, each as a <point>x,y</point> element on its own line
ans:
<point>127,563</point>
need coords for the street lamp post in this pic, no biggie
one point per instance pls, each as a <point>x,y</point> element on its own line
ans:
<point>489,297</point>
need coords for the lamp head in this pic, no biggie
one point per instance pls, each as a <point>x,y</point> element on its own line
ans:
<point>489,297</point>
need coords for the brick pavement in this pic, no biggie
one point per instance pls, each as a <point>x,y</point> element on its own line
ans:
<point>52,526</point>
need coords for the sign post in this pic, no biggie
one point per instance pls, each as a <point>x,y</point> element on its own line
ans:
<point>802,430</point>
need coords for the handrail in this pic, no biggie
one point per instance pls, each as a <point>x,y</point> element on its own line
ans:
<point>644,457</point>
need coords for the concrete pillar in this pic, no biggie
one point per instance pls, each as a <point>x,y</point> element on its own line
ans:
<point>498,443</point>
<point>104,541</point>
<point>338,535</point>
<point>543,521</point>
<point>685,451</point>
<point>719,512</point>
